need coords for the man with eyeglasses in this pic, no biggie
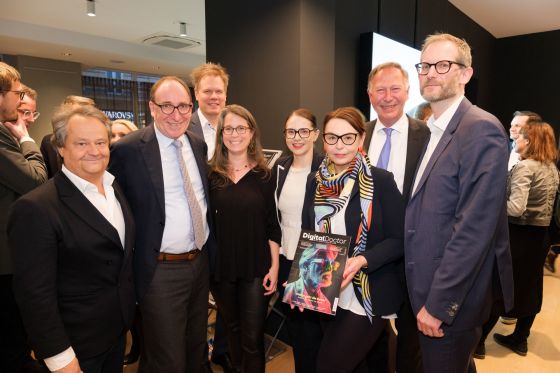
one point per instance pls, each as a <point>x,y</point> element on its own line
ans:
<point>456,237</point>
<point>162,171</point>
<point>394,141</point>
<point>21,169</point>
<point>27,108</point>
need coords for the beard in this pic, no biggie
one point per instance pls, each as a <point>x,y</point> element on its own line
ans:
<point>447,90</point>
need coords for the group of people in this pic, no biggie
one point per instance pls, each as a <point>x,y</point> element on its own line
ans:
<point>188,206</point>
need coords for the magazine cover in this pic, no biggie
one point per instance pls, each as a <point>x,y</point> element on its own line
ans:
<point>316,273</point>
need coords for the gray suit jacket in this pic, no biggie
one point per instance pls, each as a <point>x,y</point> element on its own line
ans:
<point>456,233</point>
<point>418,136</point>
<point>21,169</point>
<point>195,126</point>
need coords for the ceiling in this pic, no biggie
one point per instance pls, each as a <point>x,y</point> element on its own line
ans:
<point>113,39</point>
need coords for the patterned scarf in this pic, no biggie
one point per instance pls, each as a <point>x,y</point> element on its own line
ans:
<point>332,194</point>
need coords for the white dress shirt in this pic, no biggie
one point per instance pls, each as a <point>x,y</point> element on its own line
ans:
<point>209,133</point>
<point>110,208</point>
<point>399,140</point>
<point>437,127</point>
<point>178,233</point>
<point>513,157</point>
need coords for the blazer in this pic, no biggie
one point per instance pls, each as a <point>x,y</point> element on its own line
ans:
<point>384,246</point>
<point>417,140</point>
<point>195,127</point>
<point>456,233</point>
<point>53,161</point>
<point>72,276</point>
<point>136,164</point>
<point>21,169</point>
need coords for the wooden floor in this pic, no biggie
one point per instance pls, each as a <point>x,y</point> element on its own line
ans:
<point>544,342</point>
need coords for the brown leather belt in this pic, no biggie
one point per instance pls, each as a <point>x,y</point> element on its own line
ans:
<point>185,257</point>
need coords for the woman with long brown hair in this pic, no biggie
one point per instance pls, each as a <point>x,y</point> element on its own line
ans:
<point>247,233</point>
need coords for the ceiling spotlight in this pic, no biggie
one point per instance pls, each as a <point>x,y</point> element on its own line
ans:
<point>182,29</point>
<point>90,8</point>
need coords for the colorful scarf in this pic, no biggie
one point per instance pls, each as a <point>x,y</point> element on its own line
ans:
<point>332,194</point>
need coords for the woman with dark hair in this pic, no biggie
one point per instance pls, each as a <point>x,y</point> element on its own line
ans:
<point>349,196</point>
<point>532,187</point>
<point>290,174</point>
<point>247,233</point>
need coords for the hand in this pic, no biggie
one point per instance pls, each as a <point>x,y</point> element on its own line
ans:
<point>17,129</point>
<point>353,265</point>
<point>270,280</point>
<point>428,325</point>
<point>72,367</point>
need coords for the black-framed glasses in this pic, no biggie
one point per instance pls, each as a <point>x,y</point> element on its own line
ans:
<point>168,109</point>
<point>241,130</point>
<point>347,138</point>
<point>304,133</point>
<point>442,67</point>
<point>20,93</point>
<point>30,114</point>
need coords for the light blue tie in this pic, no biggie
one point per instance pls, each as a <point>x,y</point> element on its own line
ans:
<point>383,161</point>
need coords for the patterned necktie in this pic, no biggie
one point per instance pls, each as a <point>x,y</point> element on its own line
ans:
<point>383,160</point>
<point>194,207</point>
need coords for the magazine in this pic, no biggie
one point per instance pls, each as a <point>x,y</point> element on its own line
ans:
<point>316,273</point>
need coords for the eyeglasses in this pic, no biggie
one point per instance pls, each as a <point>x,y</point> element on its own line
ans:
<point>304,133</point>
<point>20,93</point>
<point>442,67</point>
<point>347,138</point>
<point>29,114</point>
<point>241,130</point>
<point>168,109</point>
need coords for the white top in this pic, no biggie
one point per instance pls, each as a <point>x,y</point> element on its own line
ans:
<point>209,133</point>
<point>513,157</point>
<point>399,140</point>
<point>290,205</point>
<point>178,233</point>
<point>437,127</point>
<point>110,208</point>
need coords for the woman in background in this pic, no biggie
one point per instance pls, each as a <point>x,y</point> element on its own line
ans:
<point>247,233</point>
<point>350,197</point>
<point>290,174</point>
<point>120,128</point>
<point>532,187</point>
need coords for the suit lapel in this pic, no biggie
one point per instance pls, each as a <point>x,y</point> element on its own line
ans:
<point>195,126</point>
<point>445,139</point>
<point>149,148</point>
<point>369,133</point>
<point>74,200</point>
<point>128,220</point>
<point>415,146</point>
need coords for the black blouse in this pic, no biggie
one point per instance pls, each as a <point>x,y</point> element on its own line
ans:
<point>244,220</point>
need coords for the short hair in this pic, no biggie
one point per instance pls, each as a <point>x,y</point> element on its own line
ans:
<point>29,92</point>
<point>542,144</point>
<point>8,75</point>
<point>464,57</point>
<point>350,114</point>
<point>305,114</point>
<point>212,69</point>
<point>66,112</point>
<point>168,78</point>
<point>78,100</point>
<point>387,65</point>
<point>526,113</point>
<point>128,124</point>
<point>219,162</point>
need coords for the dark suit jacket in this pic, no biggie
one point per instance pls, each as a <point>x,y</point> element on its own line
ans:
<point>72,277</point>
<point>136,163</point>
<point>282,167</point>
<point>195,126</point>
<point>51,156</point>
<point>21,169</point>
<point>456,234</point>
<point>384,246</point>
<point>418,137</point>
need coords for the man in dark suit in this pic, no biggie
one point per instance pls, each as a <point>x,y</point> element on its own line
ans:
<point>395,142</point>
<point>72,240</point>
<point>156,166</point>
<point>456,238</point>
<point>21,169</point>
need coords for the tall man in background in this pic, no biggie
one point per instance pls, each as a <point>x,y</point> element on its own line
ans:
<point>21,169</point>
<point>456,238</point>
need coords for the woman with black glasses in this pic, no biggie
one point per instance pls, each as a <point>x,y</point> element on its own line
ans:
<point>247,234</point>
<point>290,174</point>
<point>349,196</point>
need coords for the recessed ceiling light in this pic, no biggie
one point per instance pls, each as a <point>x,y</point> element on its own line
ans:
<point>90,8</point>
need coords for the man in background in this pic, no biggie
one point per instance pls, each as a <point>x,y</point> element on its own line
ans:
<point>519,119</point>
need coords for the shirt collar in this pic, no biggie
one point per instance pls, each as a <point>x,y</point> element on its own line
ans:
<point>84,185</point>
<point>399,126</point>
<point>203,121</point>
<point>443,121</point>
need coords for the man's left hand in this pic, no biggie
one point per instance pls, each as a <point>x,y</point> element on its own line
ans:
<point>428,325</point>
